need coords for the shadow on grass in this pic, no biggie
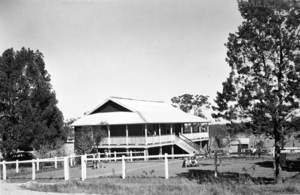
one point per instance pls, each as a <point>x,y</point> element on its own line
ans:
<point>265,164</point>
<point>291,165</point>
<point>208,176</point>
<point>206,164</point>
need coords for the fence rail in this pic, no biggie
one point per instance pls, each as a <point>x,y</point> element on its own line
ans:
<point>69,161</point>
<point>84,160</point>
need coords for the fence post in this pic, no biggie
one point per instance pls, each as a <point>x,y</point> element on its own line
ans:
<point>145,158</point>
<point>66,168</point>
<point>33,170</point>
<point>123,167</point>
<point>17,166</point>
<point>130,155</point>
<point>216,164</point>
<point>4,170</point>
<point>166,166</point>
<point>83,167</point>
<point>55,162</point>
<point>37,164</point>
<point>98,156</point>
<point>115,154</point>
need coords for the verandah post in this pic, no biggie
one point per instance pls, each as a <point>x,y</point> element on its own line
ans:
<point>166,166</point>
<point>181,128</point>
<point>108,135</point>
<point>123,167</point>
<point>126,135</point>
<point>159,132</point>
<point>146,131</point>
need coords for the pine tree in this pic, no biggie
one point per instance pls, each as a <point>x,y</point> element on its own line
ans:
<point>263,87</point>
<point>29,116</point>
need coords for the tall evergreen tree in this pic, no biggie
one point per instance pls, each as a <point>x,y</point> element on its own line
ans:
<point>29,116</point>
<point>263,87</point>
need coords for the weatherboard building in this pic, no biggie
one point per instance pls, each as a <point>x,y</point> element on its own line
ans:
<point>150,126</point>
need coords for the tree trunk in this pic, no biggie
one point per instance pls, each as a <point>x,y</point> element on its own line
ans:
<point>216,164</point>
<point>277,166</point>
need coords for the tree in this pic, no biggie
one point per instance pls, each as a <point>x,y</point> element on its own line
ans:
<point>192,103</point>
<point>263,87</point>
<point>29,117</point>
<point>68,129</point>
<point>85,142</point>
<point>217,134</point>
<point>90,137</point>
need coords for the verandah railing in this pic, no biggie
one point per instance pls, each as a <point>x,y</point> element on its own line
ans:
<point>138,140</point>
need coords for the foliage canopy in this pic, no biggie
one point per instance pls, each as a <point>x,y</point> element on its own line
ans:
<point>192,103</point>
<point>263,87</point>
<point>90,137</point>
<point>29,117</point>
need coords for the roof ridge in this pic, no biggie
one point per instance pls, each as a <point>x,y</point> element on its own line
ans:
<point>136,99</point>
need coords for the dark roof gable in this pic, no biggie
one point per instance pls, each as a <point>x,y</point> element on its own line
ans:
<point>110,106</point>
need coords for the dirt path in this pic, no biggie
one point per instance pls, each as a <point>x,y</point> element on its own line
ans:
<point>15,189</point>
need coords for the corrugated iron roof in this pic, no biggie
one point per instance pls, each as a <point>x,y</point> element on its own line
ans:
<point>143,112</point>
<point>111,118</point>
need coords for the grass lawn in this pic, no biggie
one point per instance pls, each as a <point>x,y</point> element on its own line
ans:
<point>172,186</point>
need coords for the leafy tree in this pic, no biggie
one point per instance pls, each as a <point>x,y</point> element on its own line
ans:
<point>189,103</point>
<point>84,144</point>
<point>263,87</point>
<point>29,117</point>
<point>221,135</point>
<point>218,132</point>
<point>69,130</point>
<point>260,144</point>
<point>90,137</point>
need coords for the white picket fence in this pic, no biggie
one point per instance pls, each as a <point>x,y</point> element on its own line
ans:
<point>70,161</point>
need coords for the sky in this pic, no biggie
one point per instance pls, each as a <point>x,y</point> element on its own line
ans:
<point>140,49</point>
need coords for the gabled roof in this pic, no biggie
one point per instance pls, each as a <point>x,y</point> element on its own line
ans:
<point>140,112</point>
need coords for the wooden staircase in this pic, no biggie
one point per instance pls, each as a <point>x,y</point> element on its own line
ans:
<point>188,146</point>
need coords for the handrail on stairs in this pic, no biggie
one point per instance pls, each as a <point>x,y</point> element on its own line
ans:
<point>194,145</point>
